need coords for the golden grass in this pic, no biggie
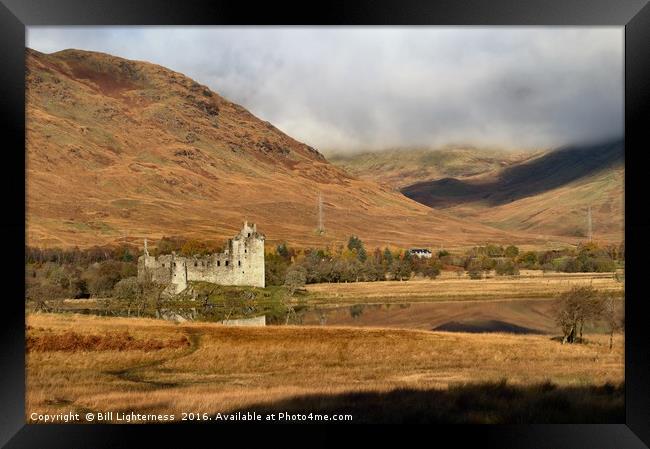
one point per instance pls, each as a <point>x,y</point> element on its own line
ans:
<point>450,287</point>
<point>115,341</point>
<point>229,368</point>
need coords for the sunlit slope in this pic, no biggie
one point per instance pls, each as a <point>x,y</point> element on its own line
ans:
<point>562,211</point>
<point>119,150</point>
<point>402,167</point>
<point>549,194</point>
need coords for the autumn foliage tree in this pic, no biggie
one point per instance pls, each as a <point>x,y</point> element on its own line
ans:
<point>577,306</point>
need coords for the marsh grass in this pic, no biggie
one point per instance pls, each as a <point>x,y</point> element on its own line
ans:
<point>232,368</point>
<point>113,341</point>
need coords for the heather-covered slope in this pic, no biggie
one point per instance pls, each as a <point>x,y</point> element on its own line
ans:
<point>122,150</point>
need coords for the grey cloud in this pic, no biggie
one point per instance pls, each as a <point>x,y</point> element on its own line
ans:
<point>373,87</point>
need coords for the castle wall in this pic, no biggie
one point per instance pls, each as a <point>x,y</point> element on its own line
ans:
<point>242,263</point>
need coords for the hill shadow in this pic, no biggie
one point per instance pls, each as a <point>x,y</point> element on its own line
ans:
<point>481,326</point>
<point>482,403</point>
<point>529,178</point>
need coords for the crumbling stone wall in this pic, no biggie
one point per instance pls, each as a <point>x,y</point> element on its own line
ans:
<point>242,263</point>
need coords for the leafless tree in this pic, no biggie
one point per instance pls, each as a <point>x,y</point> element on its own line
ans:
<point>611,317</point>
<point>295,279</point>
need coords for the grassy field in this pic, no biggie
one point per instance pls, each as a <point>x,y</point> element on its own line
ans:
<point>450,287</point>
<point>375,374</point>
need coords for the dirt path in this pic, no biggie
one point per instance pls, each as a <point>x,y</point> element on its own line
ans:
<point>131,374</point>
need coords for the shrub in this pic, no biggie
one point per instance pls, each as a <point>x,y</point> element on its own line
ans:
<point>127,288</point>
<point>355,244</point>
<point>487,263</point>
<point>474,269</point>
<point>494,251</point>
<point>572,265</point>
<point>275,269</point>
<point>356,310</point>
<point>506,268</point>
<point>102,277</point>
<point>282,250</point>
<point>402,269</point>
<point>388,257</point>
<point>427,267</point>
<point>511,251</point>
<point>528,259</point>
<point>548,266</point>
<point>604,264</point>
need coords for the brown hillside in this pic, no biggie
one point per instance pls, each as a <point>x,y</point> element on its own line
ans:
<point>548,194</point>
<point>120,150</point>
<point>402,167</point>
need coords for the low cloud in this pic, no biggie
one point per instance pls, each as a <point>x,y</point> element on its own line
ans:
<point>352,88</point>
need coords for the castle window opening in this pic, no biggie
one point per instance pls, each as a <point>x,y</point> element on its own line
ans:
<point>196,264</point>
<point>218,263</point>
<point>163,264</point>
<point>239,263</point>
<point>174,263</point>
<point>226,263</point>
<point>249,234</point>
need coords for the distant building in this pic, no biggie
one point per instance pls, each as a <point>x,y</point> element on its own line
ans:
<point>420,252</point>
<point>242,263</point>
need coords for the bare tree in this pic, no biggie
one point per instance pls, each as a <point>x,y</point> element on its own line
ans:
<point>611,317</point>
<point>295,279</point>
<point>46,297</point>
<point>291,311</point>
<point>128,290</point>
<point>151,294</point>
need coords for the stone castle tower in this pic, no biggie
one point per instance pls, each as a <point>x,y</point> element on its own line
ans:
<point>242,263</point>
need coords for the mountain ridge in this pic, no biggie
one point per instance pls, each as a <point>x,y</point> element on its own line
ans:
<point>119,150</point>
<point>402,167</point>
<point>548,194</point>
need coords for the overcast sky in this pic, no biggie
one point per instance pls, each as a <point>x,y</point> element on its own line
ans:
<point>376,87</point>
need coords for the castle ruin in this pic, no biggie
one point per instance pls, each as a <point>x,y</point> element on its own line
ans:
<point>242,263</point>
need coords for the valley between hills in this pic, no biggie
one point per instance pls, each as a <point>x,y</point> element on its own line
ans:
<point>543,193</point>
<point>120,150</point>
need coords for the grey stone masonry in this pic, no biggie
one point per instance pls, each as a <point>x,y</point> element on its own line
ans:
<point>242,263</point>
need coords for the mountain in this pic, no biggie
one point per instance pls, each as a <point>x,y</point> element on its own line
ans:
<point>119,150</point>
<point>402,167</point>
<point>548,194</point>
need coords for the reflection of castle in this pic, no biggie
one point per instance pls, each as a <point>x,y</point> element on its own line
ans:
<point>242,263</point>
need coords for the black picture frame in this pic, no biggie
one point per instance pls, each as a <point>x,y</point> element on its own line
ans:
<point>634,15</point>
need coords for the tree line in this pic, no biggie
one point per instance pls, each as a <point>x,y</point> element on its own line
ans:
<point>353,263</point>
<point>349,263</point>
<point>95,271</point>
